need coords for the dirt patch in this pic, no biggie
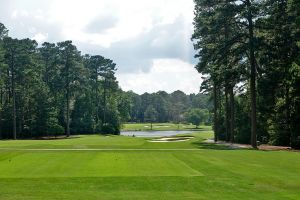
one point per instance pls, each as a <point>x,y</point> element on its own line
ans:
<point>273,148</point>
<point>264,147</point>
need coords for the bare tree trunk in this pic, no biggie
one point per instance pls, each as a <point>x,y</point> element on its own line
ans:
<point>13,100</point>
<point>219,98</point>
<point>227,115</point>
<point>1,107</point>
<point>104,102</point>
<point>288,113</point>
<point>215,113</point>
<point>68,113</point>
<point>68,100</point>
<point>1,122</point>
<point>231,94</point>
<point>252,78</point>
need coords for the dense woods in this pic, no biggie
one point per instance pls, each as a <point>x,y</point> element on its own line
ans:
<point>163,107</point>
<point>53,89</point>
<point>250,54</point>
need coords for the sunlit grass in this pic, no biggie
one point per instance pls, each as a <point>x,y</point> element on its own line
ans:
<point>133,168</point>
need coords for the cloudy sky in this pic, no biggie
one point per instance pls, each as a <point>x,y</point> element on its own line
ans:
<point>149,40</point>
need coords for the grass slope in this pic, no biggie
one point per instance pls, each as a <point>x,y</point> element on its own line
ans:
<point>208,172</point>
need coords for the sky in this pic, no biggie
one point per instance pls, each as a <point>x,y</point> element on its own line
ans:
<point>149,40</point>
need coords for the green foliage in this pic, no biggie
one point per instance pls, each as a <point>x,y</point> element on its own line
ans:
<point>169,107</point>
<point>150,114</point>
<point>250,48</point>
<point>54,89</point>
<point>162,127</point>
<point>197,116</point>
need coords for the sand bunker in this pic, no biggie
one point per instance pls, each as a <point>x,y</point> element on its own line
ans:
<point>172,139</point>
<point>161,126</point>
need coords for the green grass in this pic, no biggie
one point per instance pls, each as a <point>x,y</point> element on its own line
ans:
<point>149,172</point>
<point>162,127</point>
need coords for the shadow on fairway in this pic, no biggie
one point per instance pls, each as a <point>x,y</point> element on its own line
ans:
<point>212,146</point>
<point>197,129</point>
<point>56,138</point>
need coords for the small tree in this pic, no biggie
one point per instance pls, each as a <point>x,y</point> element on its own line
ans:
<point>150,114</point>
<point>196,116</point>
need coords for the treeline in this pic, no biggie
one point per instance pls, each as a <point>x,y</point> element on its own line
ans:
<point>164,107</point>
<point>250,53</point>
<point>54,89</point>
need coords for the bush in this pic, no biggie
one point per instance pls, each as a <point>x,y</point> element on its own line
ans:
<point>110,129</point>
<point>56,130</point>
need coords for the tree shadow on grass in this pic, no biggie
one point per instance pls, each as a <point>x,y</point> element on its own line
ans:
<point>56,138</point>
<point>213,146</point>
<point>197,129</point>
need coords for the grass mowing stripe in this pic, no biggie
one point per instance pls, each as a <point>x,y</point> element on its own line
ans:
<point>12,149</point>
<point>119,168</point>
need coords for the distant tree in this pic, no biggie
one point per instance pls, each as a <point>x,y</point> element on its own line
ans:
<point>12,48</point>
<point>109,85</point>
<point>124,106</point>
<point>176,112</point>
<point>49,55</point>
<point>197,116</point>
<point>43,89</point>
<point>3,70</point>
<point>150,115</point>
<point>20,57</point>
<point>72,74</point>
<point>3,31</point>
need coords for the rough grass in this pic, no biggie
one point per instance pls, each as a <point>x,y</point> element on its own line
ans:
<point>205,172</point>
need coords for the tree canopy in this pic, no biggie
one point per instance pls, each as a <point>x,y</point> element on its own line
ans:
<point>54,89</point>
<point>249,53</point>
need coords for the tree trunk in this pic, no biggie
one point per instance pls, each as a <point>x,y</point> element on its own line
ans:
<point>288,113</point>
<point>231,94</point>
<point>1,107</point>
<point>14,120</point>
<point>1,122</point>
<point>215,113</point>
<point>68,113</point>
<point>68,100</point>
<point>252,78</point>
<point>220,118</point>
<point>104,102</point>
<point>227,115</point>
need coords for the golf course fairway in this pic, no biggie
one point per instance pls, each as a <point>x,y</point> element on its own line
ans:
<point>119,167</point>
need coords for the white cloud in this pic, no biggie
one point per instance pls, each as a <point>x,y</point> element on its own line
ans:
<point>19,13</point>
<point>40,37</point>
<point>166,74</point>
<point>134,33</point>
<point>135,17</point>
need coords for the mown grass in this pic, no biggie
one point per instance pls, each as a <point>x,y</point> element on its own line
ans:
<point>150,172</point>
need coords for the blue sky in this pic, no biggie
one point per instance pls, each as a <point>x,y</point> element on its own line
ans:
<point>148,40</point>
